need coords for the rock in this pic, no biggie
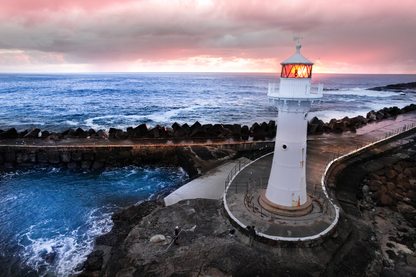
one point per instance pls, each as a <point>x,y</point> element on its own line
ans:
<point>81,133</point>
<point>373,176</point>
<point>375,185</point>
<point>94,261</point>
<point>386,272</point>
<point>398,168</point>
<point>365,191</point>
<point>157,238</point>
<point>179,132</point>
<point>405,185</point>
<point>386,200</point>
<point>391,186</point>
<point>245,132</point>
<point>43,157</point>
<point>45,134</point>
<point>102,134</point>
<point>21,157</point>
<point>91,132</point>
<point>9,134</point>
<point>65,157</point>
<point>402,178</point>
<point>390,174</point>
<point>76,156</point>
<point>312,128</point>
<point>408,172</point>
<point>86,165</point>
<point>97,165</point>
<point>216,130</point>
<point>411,194</point>
<point>54,157</point>
<point>32,133</point>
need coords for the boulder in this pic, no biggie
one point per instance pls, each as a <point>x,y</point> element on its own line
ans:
<point>32,133</point>
<point>9,134</point>
<point>81,133</point>
<point>157,238</point>
<point>312,128</point>
<point>91,132</point>
<point>102,134</point>
<point>45,134</point>
<point>179,132</point>
<point>175,126</point>
<point>245,132</point>
<point>215,130</point>
<point>186,128</point>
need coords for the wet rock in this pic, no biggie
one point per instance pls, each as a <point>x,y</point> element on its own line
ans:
<point>94,261</point>
<point>81,133</point>
<point>408,172</point>
<point>97,165</point>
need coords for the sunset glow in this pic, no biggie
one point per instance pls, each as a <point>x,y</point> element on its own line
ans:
<point>206,35</point>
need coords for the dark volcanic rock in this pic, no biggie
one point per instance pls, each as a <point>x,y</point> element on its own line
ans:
<point>396,87</point>
<point>94,261</point>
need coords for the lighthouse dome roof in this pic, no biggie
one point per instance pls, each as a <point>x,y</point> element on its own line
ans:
<point>297,58</point>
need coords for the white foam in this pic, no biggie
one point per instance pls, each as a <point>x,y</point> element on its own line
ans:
<point>361,92</point>
<point>70,249</point>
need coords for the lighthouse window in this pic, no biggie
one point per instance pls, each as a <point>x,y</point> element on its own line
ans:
<point>284,146</point>
<point>296,71</point>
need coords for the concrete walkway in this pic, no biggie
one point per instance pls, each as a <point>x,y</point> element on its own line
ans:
<point>320,148</point>
<point>209,186</point>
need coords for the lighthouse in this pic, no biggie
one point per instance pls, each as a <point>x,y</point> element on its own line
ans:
<point>286,190</point>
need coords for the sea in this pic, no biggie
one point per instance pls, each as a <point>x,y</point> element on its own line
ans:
<point>50,216</point>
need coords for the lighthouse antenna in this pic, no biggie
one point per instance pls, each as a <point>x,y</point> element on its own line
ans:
<point>297,38</point>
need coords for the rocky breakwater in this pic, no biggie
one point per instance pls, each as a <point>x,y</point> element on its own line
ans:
<point>317,126</point>
<point>388,198</point>
<point>143,133</point>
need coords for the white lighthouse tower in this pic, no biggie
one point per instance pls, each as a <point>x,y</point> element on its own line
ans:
<point>286,190</point>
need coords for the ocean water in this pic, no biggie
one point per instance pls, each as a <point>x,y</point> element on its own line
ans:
<point>100,101</point>
<point>49,217</point>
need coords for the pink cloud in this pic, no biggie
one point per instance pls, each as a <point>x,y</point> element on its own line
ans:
<point>357,33</point>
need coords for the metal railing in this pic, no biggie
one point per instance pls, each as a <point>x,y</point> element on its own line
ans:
<point>334,157</point>
<point>249,159</point>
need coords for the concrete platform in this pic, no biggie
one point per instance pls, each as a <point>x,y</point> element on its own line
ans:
<point>321,150</point>
<point>209,186</point>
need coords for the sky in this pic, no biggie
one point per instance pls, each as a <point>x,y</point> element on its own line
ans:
<point>353,36</point>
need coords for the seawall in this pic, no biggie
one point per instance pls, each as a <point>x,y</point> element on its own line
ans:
<point>195,158</point>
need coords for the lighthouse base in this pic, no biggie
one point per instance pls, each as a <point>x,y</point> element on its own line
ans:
<point>285,210</point>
